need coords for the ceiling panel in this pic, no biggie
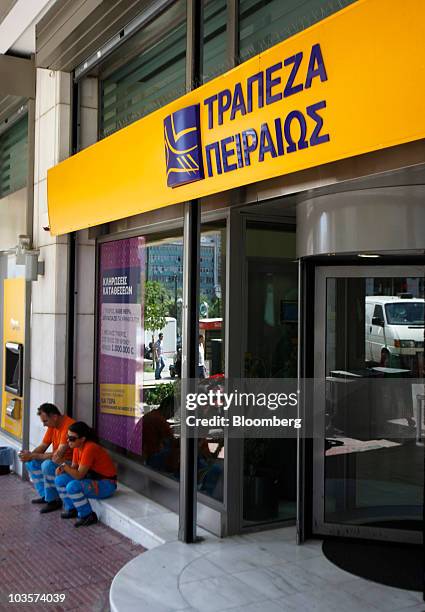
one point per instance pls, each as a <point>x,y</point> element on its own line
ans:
<point>73,29</point>
<point>5,6</point>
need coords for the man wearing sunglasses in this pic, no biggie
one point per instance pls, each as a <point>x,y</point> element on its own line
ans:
<point>41,465</point>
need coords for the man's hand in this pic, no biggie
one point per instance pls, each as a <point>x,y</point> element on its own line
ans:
<point>57,458</point>
<point>60,470</point>
<point>25,455</point>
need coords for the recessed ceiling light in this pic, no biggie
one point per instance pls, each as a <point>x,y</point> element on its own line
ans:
<point>370,255</point>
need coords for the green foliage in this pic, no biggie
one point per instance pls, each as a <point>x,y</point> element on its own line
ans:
<point>157,301</point>
<point>214,306</point>
<point>158,393</point>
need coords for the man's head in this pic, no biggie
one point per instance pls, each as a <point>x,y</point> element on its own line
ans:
<point>201,339</point>
<point>49,415</point>
<point>161,336</point>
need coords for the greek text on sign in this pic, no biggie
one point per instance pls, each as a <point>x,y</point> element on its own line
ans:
<point>285,132</point>
<point>120,328</point>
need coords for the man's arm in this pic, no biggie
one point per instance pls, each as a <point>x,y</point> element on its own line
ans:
<point>59,455</point>
<point>38,453</point>
<point>78,473</point>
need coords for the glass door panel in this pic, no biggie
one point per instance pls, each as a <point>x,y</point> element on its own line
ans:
<point>369,460</point>
<point>269,485</point>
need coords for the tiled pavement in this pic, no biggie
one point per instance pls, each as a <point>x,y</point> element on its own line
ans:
<point>45,554</point>
<point>259,572</point>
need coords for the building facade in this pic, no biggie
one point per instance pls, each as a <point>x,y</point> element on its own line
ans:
<point>307,167</point>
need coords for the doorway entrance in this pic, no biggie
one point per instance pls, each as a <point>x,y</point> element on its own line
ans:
<point>270,314</point>
<point>368,404</point>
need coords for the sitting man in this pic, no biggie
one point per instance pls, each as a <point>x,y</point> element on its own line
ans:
<point>42,465</point>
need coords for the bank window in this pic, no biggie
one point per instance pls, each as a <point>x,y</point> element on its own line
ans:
<point>139,350</point>
<point>145,73</point>
<point>264,23</point>
<point>14,157</point>
<point>139,353</point>
<point>211,355</point>
<point>214,50</point>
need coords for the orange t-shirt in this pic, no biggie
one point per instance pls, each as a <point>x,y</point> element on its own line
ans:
<point>56,436</point>
<point>96,458</point>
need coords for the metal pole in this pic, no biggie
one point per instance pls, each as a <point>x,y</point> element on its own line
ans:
<point>175,295</point>
<point>26,417</point>
<point>188,445</point>
<point>190,311</point>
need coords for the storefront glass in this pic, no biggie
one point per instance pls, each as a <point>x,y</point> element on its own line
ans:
<point>14,157</point>
<point>369,402</point>
<point>271,352</point>
<point>211,364</point>
<point>140,289</point>
<point>151,71</point>
<point>264,23</point>
<point>214,49</point>
<point>120,343</point>
<point>140,349</point>
<point>374,469</point>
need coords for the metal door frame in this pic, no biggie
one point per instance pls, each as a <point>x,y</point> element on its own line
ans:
<point>320,527</point>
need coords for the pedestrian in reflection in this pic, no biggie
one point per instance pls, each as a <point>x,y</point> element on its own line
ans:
<point>160,365</point>
<point>201,357</point>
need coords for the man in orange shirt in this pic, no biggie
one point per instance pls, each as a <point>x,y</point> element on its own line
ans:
<point>41,465</point>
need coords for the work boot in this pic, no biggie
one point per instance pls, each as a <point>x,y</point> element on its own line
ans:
<point>90,519</point>
<point>69,514</point>
<point>38,500</point>
<point>56,504</point>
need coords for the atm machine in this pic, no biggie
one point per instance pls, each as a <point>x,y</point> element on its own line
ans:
<point>13,356</point>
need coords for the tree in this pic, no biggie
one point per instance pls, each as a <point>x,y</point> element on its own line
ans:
<point>156,309</point>
<point>156,305</point>
<point>214,306</point>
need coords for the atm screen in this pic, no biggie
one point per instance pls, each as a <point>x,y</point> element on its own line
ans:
<point>14,368</point>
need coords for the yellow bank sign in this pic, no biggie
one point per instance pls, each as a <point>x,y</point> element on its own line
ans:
<point>282,132</point>
<point>350,84</point>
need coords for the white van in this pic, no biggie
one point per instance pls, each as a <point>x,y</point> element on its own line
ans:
<point>395,330</point>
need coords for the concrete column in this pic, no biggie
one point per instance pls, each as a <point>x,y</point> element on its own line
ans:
<point>49,292</point>
<point>85,273</point>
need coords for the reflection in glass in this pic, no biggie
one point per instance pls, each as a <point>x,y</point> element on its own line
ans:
<point>272,337</point>
<point>214,51</point>
<point>139,351</point>
<point>264,23</point>
<point>151,71</point>
<point>14,157</point>
<point>211,358</point>
<point>373,463</point>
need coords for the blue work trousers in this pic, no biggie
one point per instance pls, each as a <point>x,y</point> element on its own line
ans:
<point>76,493</point>
<point>42,476</point>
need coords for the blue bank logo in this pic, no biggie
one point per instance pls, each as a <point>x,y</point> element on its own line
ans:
<point>183,149</point>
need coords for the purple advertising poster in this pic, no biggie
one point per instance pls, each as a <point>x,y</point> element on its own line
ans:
<point>120,345</point>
